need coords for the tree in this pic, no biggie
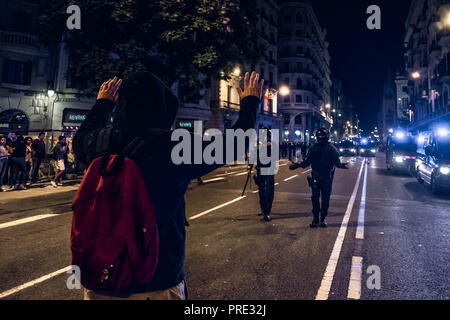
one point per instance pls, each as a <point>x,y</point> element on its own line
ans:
<point>192,40</point>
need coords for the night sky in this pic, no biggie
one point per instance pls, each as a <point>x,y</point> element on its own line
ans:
<point>362,57</point>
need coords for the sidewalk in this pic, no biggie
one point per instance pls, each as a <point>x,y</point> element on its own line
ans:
<point>40,189</point>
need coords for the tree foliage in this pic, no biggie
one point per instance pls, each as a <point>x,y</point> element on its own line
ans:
<point>172,38</point>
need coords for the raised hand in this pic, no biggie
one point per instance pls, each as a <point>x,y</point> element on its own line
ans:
<point>252,86</point>
<point>108,90</point>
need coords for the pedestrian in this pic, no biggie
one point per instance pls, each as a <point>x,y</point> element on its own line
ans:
<point>266,182</point>
<point>3,161</point>
<point>28,159</point>
<point>147,108</point>
<point>18,164</point>
<point>59,152</point>
<point>10,142</point>
<point>303,148</point>
<point>37,155</point>
<point>323,158</point>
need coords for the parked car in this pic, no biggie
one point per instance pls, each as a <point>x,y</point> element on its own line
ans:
<point>433,159</point>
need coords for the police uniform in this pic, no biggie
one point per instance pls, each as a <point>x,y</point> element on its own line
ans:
<point>323,158</point>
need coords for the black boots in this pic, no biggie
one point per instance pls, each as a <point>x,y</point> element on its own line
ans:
<point>323,223</point>
<point>314,223</point>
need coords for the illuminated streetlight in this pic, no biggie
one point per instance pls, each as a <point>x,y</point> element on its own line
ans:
<point>415,75</point>
<point>51,93</point>
<point>284,91</point>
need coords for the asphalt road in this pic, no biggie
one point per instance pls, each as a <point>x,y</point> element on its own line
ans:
<point>388,238</point>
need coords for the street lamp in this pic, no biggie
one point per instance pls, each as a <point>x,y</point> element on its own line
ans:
<point>415,75</point>
<point>284,91</point>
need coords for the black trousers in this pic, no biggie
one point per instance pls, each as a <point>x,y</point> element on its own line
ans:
<point>35,170</point>
<point>266,185</point>
<point>321,188</point>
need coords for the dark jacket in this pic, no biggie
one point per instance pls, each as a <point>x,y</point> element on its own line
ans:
<point>38,147</point>
<point>20,149</point>
<point>166,183</point>
<point>323,158</point>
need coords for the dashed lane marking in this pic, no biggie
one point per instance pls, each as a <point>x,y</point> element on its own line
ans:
<point>327,280</point>
<point>215,208</point>
<point>33,282</point>
<point>290,178</point>
<point>26,220</point>
<point>354,286</point>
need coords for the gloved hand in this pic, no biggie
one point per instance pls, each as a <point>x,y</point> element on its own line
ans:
<point>294,166</point>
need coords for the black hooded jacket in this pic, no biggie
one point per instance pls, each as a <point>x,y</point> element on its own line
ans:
<point>146,104</point>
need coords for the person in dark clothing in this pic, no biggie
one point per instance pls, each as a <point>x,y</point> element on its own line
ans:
<point>265,183</point>
<point>37,155</point>
<point>60,152</point>
<point>18,164</point>
<point>147,108</point>
<point>323,158</point>
<point>303,148</point>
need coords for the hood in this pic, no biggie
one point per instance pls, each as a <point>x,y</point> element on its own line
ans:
<point>145,103</point>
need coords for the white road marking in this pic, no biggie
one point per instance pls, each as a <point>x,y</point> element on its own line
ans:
<point>211,180</point>
<point>354,285</point>
<point>33,282</point>
<point>26,220</point>
<point>325,286</point>
<point>306,171</point>
<point>362,209</point>
<point>290,178</point>
<point>215,208</point>
<point>241,174</point>
<point>277,184</point>
<point>284,164</point>
<point>226,174</point>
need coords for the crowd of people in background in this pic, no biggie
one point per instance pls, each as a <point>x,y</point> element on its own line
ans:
<point>21,158</point>
<point>290,150</point>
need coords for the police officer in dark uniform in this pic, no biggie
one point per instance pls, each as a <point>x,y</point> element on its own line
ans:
<point>323,158</point>
<point>265,183</point>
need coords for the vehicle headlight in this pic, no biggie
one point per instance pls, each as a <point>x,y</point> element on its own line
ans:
<point>399,159</point>
<point>341,150</point>
<point>444,170</point>
<point>373,150</point>
<point>362,150</point>
<point>353,150</point>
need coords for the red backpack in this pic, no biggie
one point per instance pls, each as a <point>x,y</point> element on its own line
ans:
<point>114,238</point>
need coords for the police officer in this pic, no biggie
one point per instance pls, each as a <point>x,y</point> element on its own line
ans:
<point>265,183</point>
<point>323,158</point>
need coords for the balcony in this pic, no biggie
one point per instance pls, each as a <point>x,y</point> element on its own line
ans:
<point>443,70</point>
<point>19,39</point>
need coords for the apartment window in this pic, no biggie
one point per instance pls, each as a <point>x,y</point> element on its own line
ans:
<point>21,21</point>
<point>299,67</point>
<point>287,18</point>
<point>286,81</point>
<point>299,18</point>
<point>308,100</point>
<point>17,72</point>
<point>271,78</point>
<point>287,99</point>
<point>299,84</point>
<point>299,98</point>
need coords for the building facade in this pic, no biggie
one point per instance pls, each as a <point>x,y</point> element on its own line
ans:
<point>388,107</point>
<point>427,58</point>
<point>303,66</point>
<point>224,97</point>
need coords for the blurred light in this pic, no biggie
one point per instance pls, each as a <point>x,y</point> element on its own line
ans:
<point>399,159</point>
<point>328,106</point>
<point>341,150</point>
<point>373,150</point>
<point>286,132</point>
<point>237,71</point>
<point>284,91</point>
<point>400,135</point>
<point>353,150</point>
<point>447,20</point>
<point>442,132</point>
<point>391,130</point>
<point>340,115</point>
<point>364,141</point>
<point>415,75</point>
<point>444,170</point>
<point>297,132</point>
<point>362,150</point>
<point>51,93</point>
